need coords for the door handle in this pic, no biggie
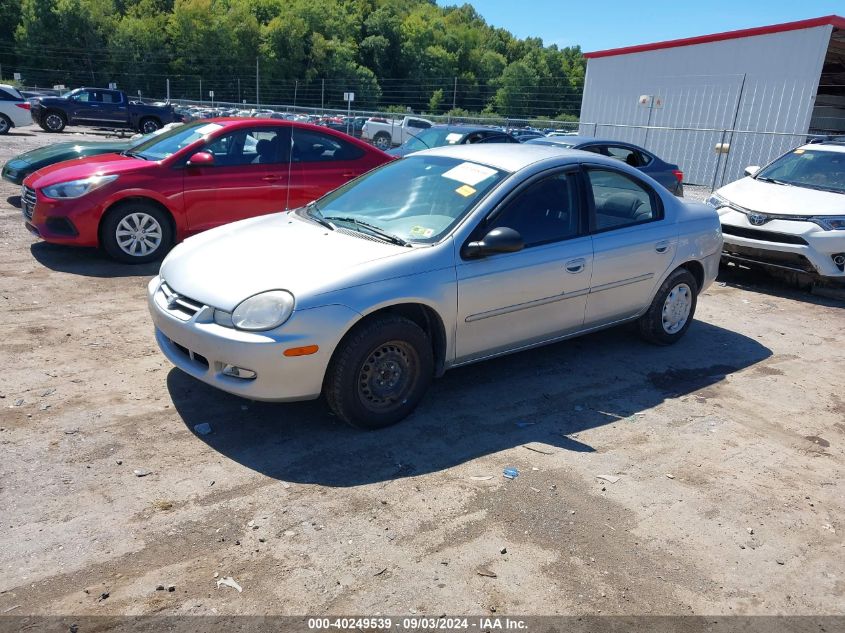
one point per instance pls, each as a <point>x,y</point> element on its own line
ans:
<point>662,247</point>
<point>575,266</point>
<point>270,178</point>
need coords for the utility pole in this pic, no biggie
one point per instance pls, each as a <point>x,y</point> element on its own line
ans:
<point>322,97</point>
<point>168,90</point>
<point>295,90</point>
<point>257,97</point>
<point>239,89</point>
<point>200,90</point>
<point>455,94</point>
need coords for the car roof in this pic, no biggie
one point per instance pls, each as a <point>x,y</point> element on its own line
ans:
<point>464,127</point>
<point>830,146</point>
<point>505,156</point>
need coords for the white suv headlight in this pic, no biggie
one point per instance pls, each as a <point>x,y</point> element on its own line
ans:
<point>76,188</point>
<point>263,311</point>
<point>716,201</point>
<point>834,223</point>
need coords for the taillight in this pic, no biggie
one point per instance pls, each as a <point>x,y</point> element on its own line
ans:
<point>24,105</point>
<point>678,174</point>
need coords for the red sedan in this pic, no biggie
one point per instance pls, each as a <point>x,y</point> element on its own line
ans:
<point>195,177</point>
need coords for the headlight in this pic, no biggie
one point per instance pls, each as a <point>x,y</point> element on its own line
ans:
<point>835,223</point>
<point>263,311</point>
<point>716,201</point>
<point>76,188</point>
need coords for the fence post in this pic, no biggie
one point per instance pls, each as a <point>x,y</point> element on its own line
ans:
<point>718,160</point>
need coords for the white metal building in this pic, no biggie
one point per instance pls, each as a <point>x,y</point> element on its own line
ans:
<point>759,90</point>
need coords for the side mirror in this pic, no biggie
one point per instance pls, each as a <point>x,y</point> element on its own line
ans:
<point>499,240</point>
<point>751,170</point>
<point>201,159</point>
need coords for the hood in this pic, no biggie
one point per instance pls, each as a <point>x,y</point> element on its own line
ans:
<point>224,266</point>
<point>104,164</point>
<point>63,151</point>
<point>768,197</point>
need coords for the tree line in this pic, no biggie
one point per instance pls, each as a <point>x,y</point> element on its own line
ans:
<point>391,53</point>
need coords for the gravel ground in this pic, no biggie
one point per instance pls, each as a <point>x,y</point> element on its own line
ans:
<point>705,478</point>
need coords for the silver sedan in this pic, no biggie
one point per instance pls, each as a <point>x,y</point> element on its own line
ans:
<point>443,258</point>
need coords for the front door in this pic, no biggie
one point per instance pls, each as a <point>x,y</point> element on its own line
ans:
<point>633,245</point>
<point>510,300</point>
<point>248,178</point>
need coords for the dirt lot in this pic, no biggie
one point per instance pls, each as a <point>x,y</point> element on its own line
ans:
<point>728,449</point>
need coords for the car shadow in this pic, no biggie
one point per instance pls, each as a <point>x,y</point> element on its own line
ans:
<point>787,285</point>
<point>88,262</point>
<point>15,201</point>
<point>545,395</point>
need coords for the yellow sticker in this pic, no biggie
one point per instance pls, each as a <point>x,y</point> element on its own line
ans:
<point>799,151</point>
<point>465,190</point>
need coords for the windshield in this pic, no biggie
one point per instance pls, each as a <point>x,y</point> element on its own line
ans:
<point>418,199</point>
<point>813,169</point>
<point>164,145</point>
<point>555,143</point>
<point>432,137</point>
<point>70,93</point>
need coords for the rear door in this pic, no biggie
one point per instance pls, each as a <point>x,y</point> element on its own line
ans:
<point>320,162</point>
<point>114,108</point>
<point>248,178</point>
<point>510,300</point>
<point>633,244</point>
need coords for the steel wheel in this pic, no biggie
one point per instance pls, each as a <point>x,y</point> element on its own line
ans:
<point>54,122</point>
<point>382,141</point>
<point>387,376</point>
<point>138,234</point>
<point>5,126</point>
<point>677,308</point>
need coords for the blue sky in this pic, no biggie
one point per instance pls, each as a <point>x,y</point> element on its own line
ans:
<point>598,25</point>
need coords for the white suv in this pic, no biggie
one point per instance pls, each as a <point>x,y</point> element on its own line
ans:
<point>790,214</point>
<point>14,109</point>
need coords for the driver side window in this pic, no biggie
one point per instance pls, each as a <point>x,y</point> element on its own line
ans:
<point>545,211</point>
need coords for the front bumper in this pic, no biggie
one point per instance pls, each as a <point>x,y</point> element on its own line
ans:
<point>15,172</point>
<point>72,221</point>
<point>798,246</point>
<point>201,348</point>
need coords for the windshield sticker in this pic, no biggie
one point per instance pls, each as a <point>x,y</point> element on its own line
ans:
<point>420,231</point>
<point>453,138</point>
<point>469,173</point>
<point>208,129</point>
<point>465,190</point>
<point>798,151</point>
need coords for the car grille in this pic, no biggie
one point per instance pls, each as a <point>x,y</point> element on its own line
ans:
<point>178,305</point>
<point>778,259</point>
<point>27,202</point>
<point>767,236</point>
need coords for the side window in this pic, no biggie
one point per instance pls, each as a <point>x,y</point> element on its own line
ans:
<point>309,146</point>
<point>420,125</point>
<point>620,200</point>
<point>6,96</point>
<point>250,147</point>
<point>85,96</point>
<point>110,97</point>
<point>545,211</point>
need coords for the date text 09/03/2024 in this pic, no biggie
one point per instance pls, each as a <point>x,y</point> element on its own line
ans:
<point>418,623</point>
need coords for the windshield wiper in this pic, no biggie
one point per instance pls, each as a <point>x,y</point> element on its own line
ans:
<point>313,212</point>
<point>777,182</point>
<point>389,237</point>
<point>134,155</point>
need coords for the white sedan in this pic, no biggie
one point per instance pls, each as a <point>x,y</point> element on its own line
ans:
<point>789,215</point>
<point>443,258</point>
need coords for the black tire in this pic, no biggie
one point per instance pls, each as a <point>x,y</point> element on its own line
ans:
<point>5,124</point>
<point>53,121</point>
<point>148,125</point>
<point>383,141</point>
<point>153,228</point>
<point>354,386</point>
<point>666,329</point>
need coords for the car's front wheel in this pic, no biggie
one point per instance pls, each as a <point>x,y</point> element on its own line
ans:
<point>136,232</point>
<point>54,122</point>
<point>379,372</point>
<point>5,124</point>
<point>672,310</point>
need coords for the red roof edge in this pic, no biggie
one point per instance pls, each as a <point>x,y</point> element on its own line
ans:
<point>832,20</point>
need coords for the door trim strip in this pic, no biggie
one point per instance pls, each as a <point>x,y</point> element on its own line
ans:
<point>524,306</point>
<point>622,282</point>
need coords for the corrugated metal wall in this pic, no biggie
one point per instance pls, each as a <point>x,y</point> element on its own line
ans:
<point>760,85</point>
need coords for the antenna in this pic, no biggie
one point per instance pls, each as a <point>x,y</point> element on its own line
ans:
<point>290,164</point>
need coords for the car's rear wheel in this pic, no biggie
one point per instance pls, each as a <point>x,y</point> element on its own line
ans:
<point>54,122</point>
<point>149,125</point>
<point>379,372</point>
<point>382,140</point>
<point>5,124</point>
<point>137,232</point>
<point>672,310</point>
